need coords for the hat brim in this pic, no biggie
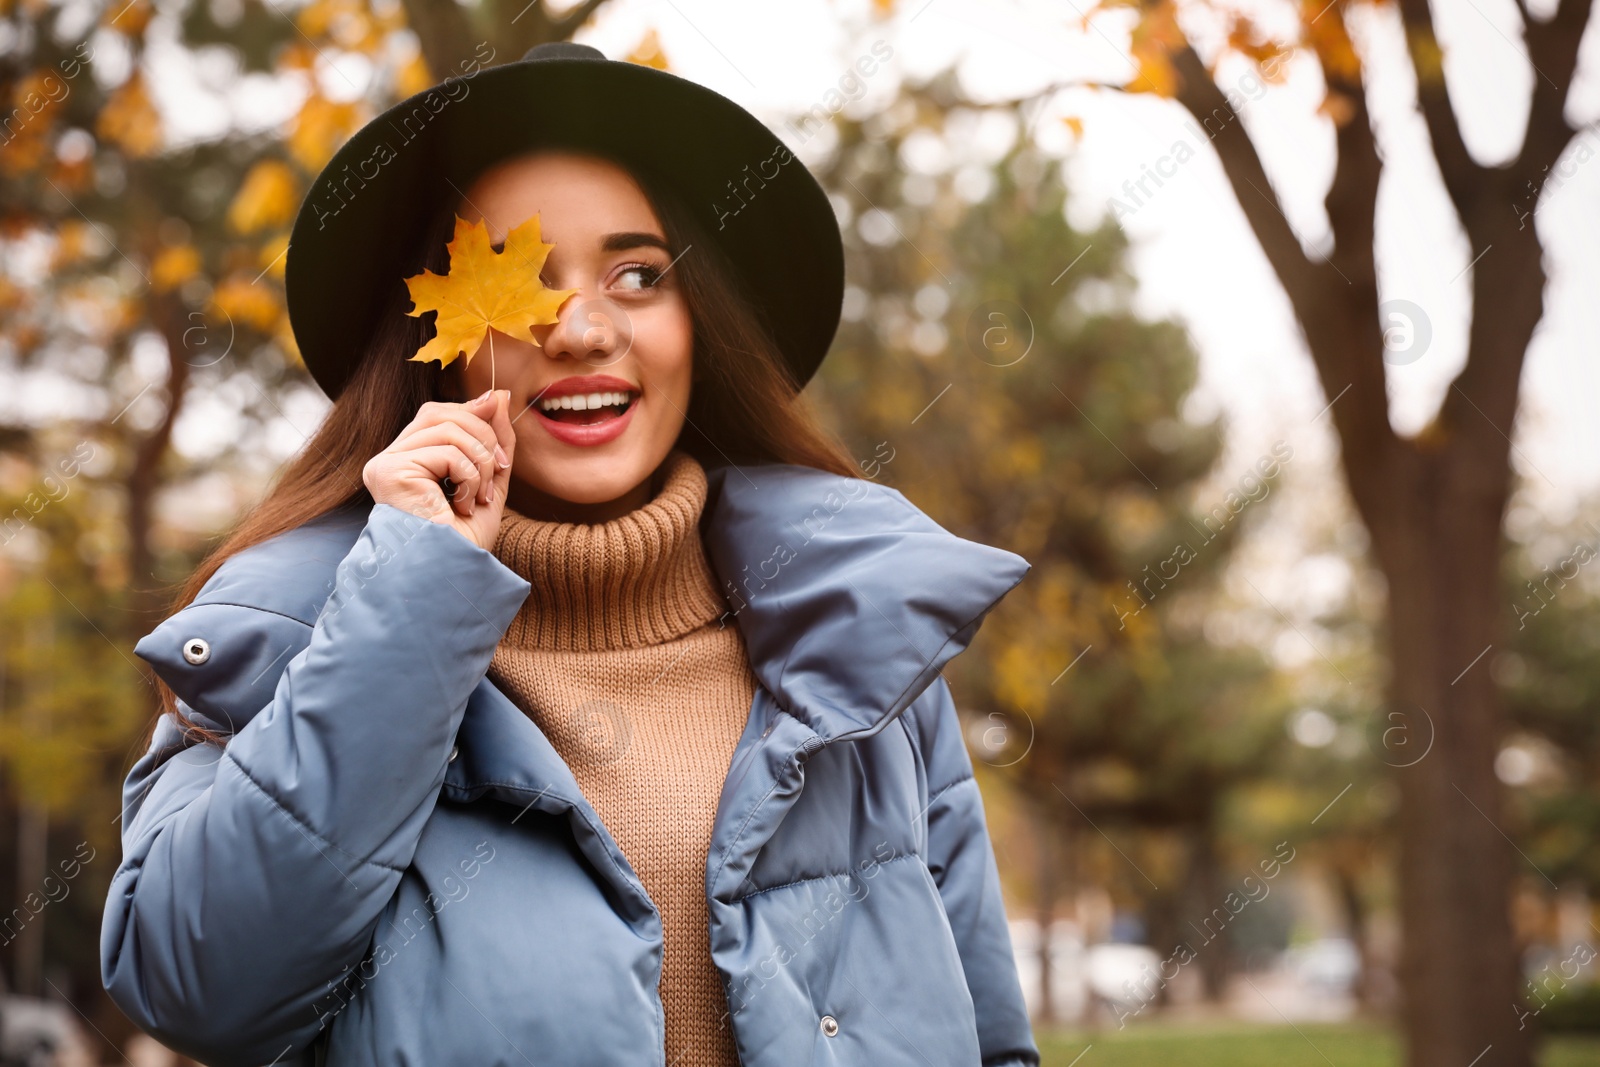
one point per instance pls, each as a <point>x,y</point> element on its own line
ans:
<point>758,203</point>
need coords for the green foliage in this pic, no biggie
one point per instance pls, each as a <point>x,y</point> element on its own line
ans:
<point>1550,676</point>
<point>1573,1010</point>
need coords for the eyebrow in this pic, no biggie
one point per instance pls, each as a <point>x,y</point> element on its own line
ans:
<point>618,242</point>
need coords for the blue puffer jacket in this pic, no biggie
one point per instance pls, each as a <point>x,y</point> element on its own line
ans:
<point>389,864</point>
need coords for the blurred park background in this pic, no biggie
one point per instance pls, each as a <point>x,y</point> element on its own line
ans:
<point>1263,330</point>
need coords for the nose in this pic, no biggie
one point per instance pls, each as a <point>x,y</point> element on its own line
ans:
<point>594,330</point>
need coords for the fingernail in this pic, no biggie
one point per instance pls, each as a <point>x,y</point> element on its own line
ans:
<point>482,398</point>
<point>500,459</point>
<point>491,494</point>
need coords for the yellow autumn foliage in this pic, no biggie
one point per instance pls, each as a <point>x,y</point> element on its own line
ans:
<point>272,257</point>
<point>1246,38</point>
<point>247,303</point>
<point>320,128</point>
<point>34,98</point>
<point>1326,34</point>
<point>1154,39</point>
<point>648,52</point>
<point>12,296</point>
<point>297,55</point>
<point>73,238</point>
<point>1426,55</point>
<point>266,198</point>
<point>1338,107</point>
<point>351,24</point>
<point>131,18</point>
<point>413,76</point>
<point>129,119</point>
<point>173,266</point>
<point>23,153</point>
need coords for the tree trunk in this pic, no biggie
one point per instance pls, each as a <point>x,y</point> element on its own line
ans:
<point>1440,552</point>
<point>1213,943</point>
<point>1348,884</point>
<point>32,843</point>
<point>1045,911</point>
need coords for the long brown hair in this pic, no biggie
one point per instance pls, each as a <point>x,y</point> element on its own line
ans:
<point>744,406</point>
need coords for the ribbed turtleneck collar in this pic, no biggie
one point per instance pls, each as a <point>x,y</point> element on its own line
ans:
<point>639,579</point>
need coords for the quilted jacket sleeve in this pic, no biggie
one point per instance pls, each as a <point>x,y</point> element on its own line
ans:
<point>962,861</point>
<point>253,875</point>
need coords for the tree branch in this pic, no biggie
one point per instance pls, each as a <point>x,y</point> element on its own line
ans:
<point>445,32</point>
<point>1242,164</point>
<point>570,24</point>
<point>1352,197</point>
<point>144,474</point>
<point>1481,405</point>
<point>1553,51</point>
<point>1463,176</point>
<point>1338,314</point>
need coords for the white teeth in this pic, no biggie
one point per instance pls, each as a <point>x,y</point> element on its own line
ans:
<point>583,402</point>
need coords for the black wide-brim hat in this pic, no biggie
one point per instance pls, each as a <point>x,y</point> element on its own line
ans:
<point>758,204</point>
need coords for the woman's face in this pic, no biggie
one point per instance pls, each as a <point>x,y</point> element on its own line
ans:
<point>626,330</point>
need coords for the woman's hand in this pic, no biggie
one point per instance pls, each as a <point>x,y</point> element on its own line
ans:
<point>469,443</point>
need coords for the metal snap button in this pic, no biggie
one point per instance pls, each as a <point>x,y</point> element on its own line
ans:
<point>454,752</point>
<point>197,650</point>
<point>830,1025</point>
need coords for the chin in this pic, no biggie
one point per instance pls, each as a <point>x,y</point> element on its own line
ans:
<point>593,475</point>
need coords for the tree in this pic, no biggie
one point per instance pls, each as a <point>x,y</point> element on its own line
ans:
<point>1432,503</point>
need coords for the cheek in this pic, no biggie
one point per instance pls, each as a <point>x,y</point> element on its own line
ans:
<point>469,380</point>
<point>664,344</point>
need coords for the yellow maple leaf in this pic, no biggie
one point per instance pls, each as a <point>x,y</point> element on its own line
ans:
<point>485,290</point>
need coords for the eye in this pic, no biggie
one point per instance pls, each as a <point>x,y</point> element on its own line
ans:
<point>645,276</point>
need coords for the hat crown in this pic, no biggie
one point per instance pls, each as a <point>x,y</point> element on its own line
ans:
<point>562,50</point>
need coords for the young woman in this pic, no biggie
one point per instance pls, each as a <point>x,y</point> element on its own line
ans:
<point>518,728</point>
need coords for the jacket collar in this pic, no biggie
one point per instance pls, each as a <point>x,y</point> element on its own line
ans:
<point>850,600</point>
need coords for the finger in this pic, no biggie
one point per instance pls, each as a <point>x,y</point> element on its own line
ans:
<point>496,457</point>
<point>431,412</point>
<point>440,461</point>
<point>470,416</point>
<point>498,435</point>
<point>504,432</point>
<point>453,433</point>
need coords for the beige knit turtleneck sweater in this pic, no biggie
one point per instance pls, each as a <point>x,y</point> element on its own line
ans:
<point>619,657</point>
